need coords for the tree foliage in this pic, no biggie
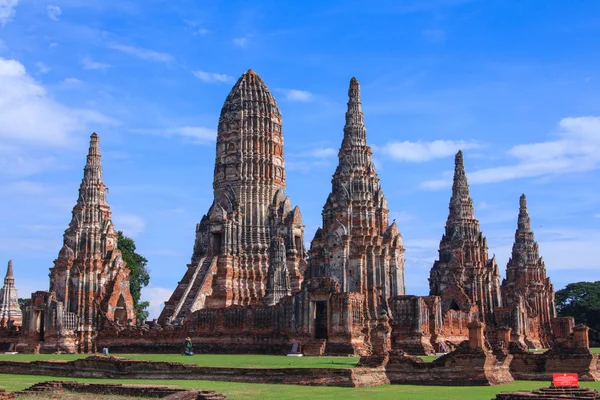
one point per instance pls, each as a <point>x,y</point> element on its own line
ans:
<point>139,276</point>
<point>22,302</point>
<point>581,300</point>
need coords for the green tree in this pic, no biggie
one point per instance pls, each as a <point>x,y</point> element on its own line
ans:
<point>581,300</point>
<point>139,276</point>
<point>22,302</point>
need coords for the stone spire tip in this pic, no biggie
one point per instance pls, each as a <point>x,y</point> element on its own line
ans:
<point>523,202</point>
<point>9,270</point>
<point>458,159</point>
<point>354,89</point>
<point>459,165</point>
<point>94,150</point>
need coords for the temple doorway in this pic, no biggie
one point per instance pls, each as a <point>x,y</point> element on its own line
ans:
<point>320,320</point>
<point>41,324</point>
<point>121,310</point>
<point>216,243</point>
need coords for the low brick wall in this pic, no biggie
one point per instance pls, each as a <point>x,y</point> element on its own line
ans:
<point>124,390</point>
<point>117,368</point>
<point>540,367</point>
<point>463,367</point>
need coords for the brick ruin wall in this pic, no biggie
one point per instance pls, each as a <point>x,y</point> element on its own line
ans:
<point>246,330</point>
<point>418,327</point>
<point>137,391</point>
<point>115,368</point>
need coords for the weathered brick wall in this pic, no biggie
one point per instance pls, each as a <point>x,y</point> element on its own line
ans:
<point>112,367</point>
<point>124,390</point>
<point>463,367</point>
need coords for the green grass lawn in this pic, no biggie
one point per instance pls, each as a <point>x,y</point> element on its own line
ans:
<point>248,391</point>
<point>212,360</point>
<point>218,360</point>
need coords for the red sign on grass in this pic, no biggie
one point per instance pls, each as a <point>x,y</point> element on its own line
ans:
<point>562,380</point>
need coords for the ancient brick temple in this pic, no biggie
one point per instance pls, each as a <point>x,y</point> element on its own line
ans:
<point>249,247</point>
<point>248,288</point>
<point>464,277</point>
<point>356,246</point>
<point>10,312</point>
<point>526,290</point>
<point>89,281</point>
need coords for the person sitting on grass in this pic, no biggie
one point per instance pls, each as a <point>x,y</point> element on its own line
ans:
<point>188,349</point>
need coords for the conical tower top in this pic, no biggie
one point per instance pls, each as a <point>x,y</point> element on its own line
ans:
<point>354,89</point>
<point>250,132</point>
<point>9,279</point>
<point>92,189</point>
<point>524,222</point>
<point>355,132</point>
<point>93,157</point>
<point>248,79</point>
<point>461,204</point>
<point>459,165</point>
<point>9,270</point>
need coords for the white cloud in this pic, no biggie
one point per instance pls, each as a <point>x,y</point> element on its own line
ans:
<point>296,95</point>
<point>130,224</point>
<point>240,42</point>
<point>424,151</point>
<point>157,297</point>
<point>29,115</point>
<point>202,32</point>
<point>88,63</point>
<point>16,164</point>
<point>42,68</point>
<point>320,157</point>
<point>597,216</point>
<point>27,188</point>
<point>212,77</point>
<point>72,81</point>
<point>198,134</point>
<point>576,149</point>
<point>7,10</point>
<point>144,54</point>
<point>317,153</point>
<point>53,12</point>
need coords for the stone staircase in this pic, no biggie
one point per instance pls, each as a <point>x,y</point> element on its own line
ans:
<point>192,294</point>
<point>315,347</point>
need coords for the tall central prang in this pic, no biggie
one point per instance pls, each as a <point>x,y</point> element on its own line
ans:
<point>249,247</point>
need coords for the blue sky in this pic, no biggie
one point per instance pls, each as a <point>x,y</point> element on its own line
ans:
<point>514,84</point>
